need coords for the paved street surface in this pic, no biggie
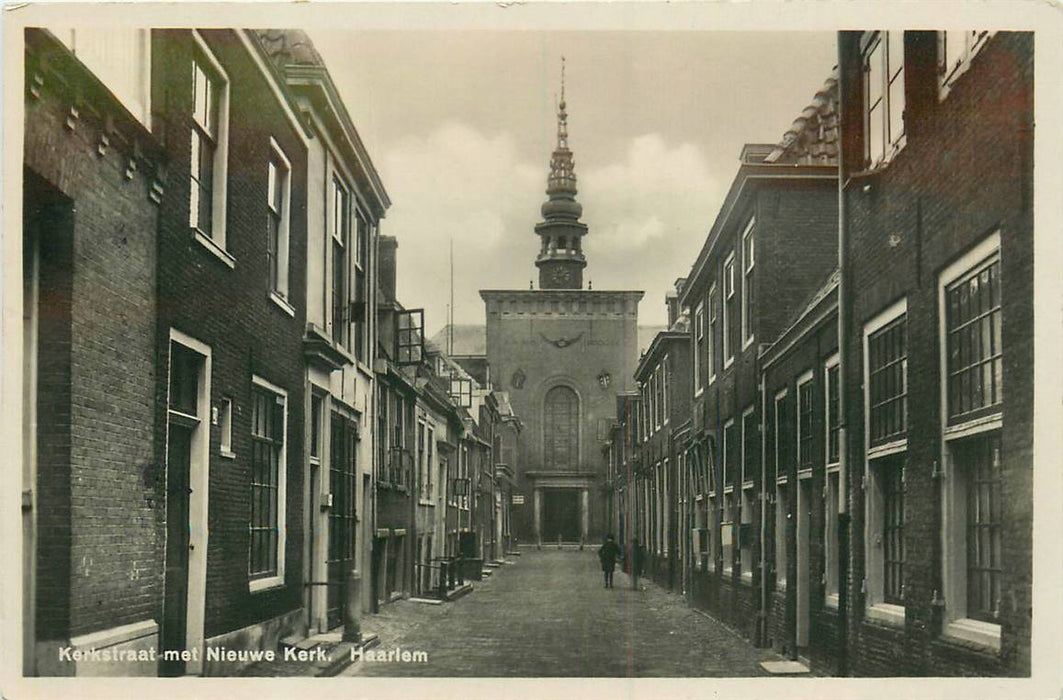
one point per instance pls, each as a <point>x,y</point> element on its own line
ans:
<point>549,615</point>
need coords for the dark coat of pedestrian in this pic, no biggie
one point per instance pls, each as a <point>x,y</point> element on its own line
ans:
<point>607,555</point>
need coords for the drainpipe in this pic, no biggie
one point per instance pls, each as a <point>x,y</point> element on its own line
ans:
<point>844,314</point>
<point>763,614</point>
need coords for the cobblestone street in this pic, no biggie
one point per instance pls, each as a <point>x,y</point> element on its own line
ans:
<point>549,615</point>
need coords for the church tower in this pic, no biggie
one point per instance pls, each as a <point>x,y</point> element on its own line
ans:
<point>560,259</point>
<point>562,352</point>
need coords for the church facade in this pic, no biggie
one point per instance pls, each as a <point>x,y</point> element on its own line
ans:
<point>562,352</point>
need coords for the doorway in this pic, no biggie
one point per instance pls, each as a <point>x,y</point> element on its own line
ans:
<point>341,519</point>
<point>804,522</point>
<point>187,455</point>
<point>561,515</point>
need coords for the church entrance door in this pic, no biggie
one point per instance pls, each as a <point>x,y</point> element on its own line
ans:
<point>561,515</point>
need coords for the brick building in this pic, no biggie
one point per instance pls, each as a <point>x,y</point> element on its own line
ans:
<point>936,299</point>
<point>91,503</point>
<point>232,313</point>
<point>773,243</point>
<point>661,375</point>
<point>346,201</point>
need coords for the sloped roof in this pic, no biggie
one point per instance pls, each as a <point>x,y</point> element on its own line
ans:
<point>812,138</point>
<point>469,339</point>
<point>287,46</point>
<point>646,336</point>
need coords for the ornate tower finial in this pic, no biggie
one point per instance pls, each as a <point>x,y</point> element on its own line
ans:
<point>561,260</point>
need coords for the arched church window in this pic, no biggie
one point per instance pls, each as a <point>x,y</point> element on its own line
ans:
<point>561,429</point>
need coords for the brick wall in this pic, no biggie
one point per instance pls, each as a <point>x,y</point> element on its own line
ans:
<point>230,310</point>
<point>965,172</point>
<point>97,556</point>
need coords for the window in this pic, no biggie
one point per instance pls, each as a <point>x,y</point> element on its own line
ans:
<point>120,58</point>
<point>279,213</point>
<point>979,458</point>
<point>750,437</point>
<point>209,146</point>
<point>268,421</point>
<point>782,515</point>
<point>969,295</point>
<point>411,337</point>
<point>973,337</point>
<point>892,483</point>
<point>782,464</point>
<point>955,51</point>
<point>361,287</point>
<point>883,96</point>
<point>748,260</point>
<point>317,403</point>
<point>421,467</point>
<point>833,418</point>
<point>561,429</point>
<point>804,421</point>
<point>664,390</point>
<point>699,346</point>
<point>731,450</point>
<point>728,309</point>
<point>430,465</point>
<point>830,539</point>
<point>225,428</point>
<point>712,334</point>
<point>341,235</point>
<point>886,356</point>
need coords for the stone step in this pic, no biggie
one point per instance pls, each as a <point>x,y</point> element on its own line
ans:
<point>784,668</point>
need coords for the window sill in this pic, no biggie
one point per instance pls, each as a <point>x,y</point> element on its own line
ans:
<point>281,302</point>
<point>424,502</point>
<point>227,454</point>
<point>886,613</point>
<point>747,343</point>
<point>728,362</point>
<point>974,426</point>
<point>984,635</point>
<point>831,601</point>
<point>212,245</point>
<point>746,578</point>
<point>780,585</point>
<point>887,449</point>
<point>712,380</point>
<point>264,584</point>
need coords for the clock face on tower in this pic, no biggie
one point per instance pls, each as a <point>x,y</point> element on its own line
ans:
<point>561,276</point>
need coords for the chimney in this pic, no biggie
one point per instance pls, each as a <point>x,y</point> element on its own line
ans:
<point>386,246</point>
<point>672,301</point>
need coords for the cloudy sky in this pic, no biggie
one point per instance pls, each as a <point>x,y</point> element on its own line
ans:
<point>461,125</point>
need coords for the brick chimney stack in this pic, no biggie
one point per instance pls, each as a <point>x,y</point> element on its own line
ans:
<point>386,267</point>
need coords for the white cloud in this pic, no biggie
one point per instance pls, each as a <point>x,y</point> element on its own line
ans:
<point>656,190</point>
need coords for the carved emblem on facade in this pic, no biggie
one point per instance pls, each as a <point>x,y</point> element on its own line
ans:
<point>518,379</point>
<point>562,342</point>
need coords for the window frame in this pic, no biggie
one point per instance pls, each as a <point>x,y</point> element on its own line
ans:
<point>806,380</point>
<point>340,239</point>
<point>832,426</point>
<point>748,266</point>
<point>957,623</point>
<point>699,347</point>
<point>974,41</point>
<point>898,441</point>
<point>984,411</point>
<point>215,239</point>
<point>728,299</point>
<point>712,334</point>
<point>882,41</point>
<point>256,581</point>
<point>279,255</point>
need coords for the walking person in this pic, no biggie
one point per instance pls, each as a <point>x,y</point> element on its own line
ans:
<point>637,561</point>
<point>607,555</point>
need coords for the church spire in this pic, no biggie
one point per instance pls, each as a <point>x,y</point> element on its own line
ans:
<point>560,259</point>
